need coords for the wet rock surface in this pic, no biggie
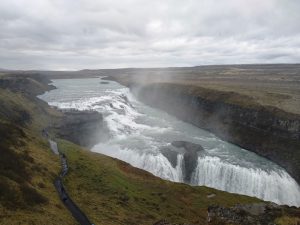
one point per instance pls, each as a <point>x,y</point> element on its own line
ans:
<point>190,153</point>
<point>171,155</point>
<point>190,157</point>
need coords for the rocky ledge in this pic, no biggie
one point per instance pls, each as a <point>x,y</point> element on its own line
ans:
<point>85,128</point>
<point>259,214</point>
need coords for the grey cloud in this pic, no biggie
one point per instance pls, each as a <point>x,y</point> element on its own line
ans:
<point>76,34</point>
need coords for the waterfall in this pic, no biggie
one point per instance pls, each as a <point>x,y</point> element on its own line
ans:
<point>156,164</point>
<point>275,186</point>
<point>138,132</point>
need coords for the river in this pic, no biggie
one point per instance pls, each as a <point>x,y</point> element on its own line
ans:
<point>137,133</point>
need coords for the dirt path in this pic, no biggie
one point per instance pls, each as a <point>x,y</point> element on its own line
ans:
<point>71,206</point>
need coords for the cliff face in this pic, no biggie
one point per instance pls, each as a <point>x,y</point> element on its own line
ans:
<point>32,84</point>
<point>84,128</point>
<point>268,131</point>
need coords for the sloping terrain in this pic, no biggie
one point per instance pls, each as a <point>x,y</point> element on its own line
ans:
<point>27,166</point>
<point>107,190</point>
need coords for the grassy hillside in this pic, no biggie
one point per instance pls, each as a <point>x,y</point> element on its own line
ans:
<point>113,192</point>
<point>27,166</point>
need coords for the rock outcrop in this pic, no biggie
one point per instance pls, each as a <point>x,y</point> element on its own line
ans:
<point>85,128</point>
<point>170,154</point>
<point>267,131</point>
<point>31,84</point>
<point>190,152</point>
<point>165,222</point>
<point>259,214</point>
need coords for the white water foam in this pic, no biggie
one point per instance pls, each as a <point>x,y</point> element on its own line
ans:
<point>156,164</point>
<point>276,186</point>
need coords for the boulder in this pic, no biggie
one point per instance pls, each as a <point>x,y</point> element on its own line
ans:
<point>257,213</point>
<point>190,157</point>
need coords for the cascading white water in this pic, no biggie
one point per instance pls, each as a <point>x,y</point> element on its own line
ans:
<point>276,186</point>
<point>138,132</point>
<point>156,164</point>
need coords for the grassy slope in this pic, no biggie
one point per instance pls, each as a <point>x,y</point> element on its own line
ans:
<point>113,192</point>
<point>27,166</point>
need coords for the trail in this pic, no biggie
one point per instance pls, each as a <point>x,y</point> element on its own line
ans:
<point>71,206</point>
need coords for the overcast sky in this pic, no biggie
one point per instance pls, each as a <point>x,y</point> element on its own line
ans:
<point>77,34</point>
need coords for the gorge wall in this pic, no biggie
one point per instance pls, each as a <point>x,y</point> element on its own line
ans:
<point>84,128</point>
<point>267,131</point>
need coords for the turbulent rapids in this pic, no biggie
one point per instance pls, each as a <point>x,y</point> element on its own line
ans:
<point>139,133</point>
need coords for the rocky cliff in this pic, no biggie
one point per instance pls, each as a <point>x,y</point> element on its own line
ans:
<point>84,128</point>
<point>268,131</point>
